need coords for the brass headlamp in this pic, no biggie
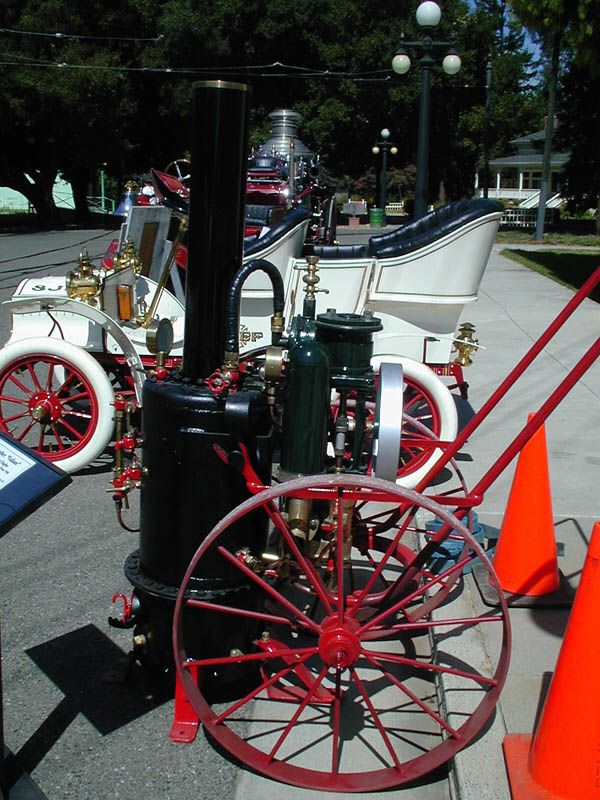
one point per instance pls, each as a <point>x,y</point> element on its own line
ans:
<point>83,284</point>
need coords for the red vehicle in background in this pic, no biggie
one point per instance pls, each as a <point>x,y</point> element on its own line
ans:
<point>284,174</point>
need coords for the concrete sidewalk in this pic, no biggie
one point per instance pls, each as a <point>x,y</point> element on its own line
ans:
<point>514,307</point>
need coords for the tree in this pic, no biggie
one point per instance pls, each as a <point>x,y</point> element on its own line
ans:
<point>579,133</point>
<point>559,25</point>
<point>116,104</point>
<point>64,119</point>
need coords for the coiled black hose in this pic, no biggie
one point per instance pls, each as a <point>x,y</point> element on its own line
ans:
<point>234,298</point>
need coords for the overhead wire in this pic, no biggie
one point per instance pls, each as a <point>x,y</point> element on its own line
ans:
<point>83,36</point>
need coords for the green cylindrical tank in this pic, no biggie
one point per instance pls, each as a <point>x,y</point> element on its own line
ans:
<point>349,341</point>
<point>306,410</point>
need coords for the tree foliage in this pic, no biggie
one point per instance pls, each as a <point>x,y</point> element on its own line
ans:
<point>573,28</point>
<point>115,105</point>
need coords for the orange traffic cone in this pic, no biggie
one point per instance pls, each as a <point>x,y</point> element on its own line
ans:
<point>561,759</point>
<point>525,560</point>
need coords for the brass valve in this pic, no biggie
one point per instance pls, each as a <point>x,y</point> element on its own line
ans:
<point>128,257</point>
<point>311,279</point>
<point>465,344</point>
<point>83,284</point>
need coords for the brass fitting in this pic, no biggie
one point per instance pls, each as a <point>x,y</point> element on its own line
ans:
<point>230,362</point>
<point>273,363</point>
<point>82,284</point>
<point>298,513</point>
<point>277,326</point>
<point>127,258</point>
<point>311,279</point>
<point>465,344</point>
<point>254,563</point>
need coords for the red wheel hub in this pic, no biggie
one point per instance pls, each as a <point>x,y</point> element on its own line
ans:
<point>339,644</point>
<point>45,407</point>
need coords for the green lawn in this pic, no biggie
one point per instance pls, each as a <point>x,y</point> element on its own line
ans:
<point>569,267</point>
<point>564,238</point>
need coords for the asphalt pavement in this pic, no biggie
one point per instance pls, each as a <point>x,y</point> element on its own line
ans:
<point>75,735</point>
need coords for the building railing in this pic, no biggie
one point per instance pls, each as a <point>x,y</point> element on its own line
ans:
<point>394,208</point>
<point>525,217</point>
<point>509,194</point>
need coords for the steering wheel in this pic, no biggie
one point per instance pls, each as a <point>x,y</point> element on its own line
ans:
<point>180,169</point>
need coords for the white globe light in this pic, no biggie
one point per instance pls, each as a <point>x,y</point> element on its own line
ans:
<point>393,150</point>
<point>385,134</point>
<point>451,64</point>
<point>401,63</point>
<point>428,14</point>
<point>375,150</point>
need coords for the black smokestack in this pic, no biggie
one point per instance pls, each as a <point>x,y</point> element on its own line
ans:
<point>217,210</point>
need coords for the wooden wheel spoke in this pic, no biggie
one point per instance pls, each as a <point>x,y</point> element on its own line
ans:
<point>386,557</point>
<point>241,612</point>
<point>376,719</point>
<point>8,399</point>
<point>417,700</point>
<point>69,377</point>
<point>264,685</point>
<point>34,378</point>
<point>78,414</point>
<point>340,555</point>
<point>305,701</point>
<point>430,667</point>
<point>58,437</point>
<point>269,589</point>
<point>72,397</point>
<point>266,655</point>
<point>24,432</point>
<point>22,415</point>
<point>277,519</point>
<point>20,386</point>
<point>62,421</point>
<point>41,437</point>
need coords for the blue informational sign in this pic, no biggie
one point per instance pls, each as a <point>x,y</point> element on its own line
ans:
<point>27,480</point>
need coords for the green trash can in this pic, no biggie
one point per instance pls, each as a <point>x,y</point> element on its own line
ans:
<point>376,217</point>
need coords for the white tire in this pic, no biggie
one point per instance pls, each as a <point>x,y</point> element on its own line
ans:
<point>421,379</point>
<point>56,399</point>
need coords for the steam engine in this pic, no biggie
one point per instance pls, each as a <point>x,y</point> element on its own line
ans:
<point>216,430</point>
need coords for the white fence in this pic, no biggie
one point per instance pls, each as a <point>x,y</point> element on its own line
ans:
<point>525,217</point>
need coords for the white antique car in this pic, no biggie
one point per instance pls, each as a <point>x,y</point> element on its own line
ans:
<point>75,342</point>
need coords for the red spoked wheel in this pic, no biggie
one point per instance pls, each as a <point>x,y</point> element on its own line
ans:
<point>56,399</point>
<point>350,649</point>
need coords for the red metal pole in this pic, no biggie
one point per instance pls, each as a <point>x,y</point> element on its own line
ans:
<point>508,382</point>
<point>537,420</point>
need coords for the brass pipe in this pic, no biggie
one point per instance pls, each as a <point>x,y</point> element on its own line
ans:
<point>164,277</point>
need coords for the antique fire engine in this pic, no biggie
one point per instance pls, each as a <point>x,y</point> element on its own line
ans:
<point>278,560</point>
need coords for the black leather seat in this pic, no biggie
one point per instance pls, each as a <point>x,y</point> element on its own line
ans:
<point>430,227</point>
<point>333,251</point>
<point>412,236</point>
<point>259,215</point>
<point>293,218</point>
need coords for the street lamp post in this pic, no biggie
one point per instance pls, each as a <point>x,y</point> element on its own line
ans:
<point>382,147</point>
<point>486,140</point>
<point>428,17</point>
